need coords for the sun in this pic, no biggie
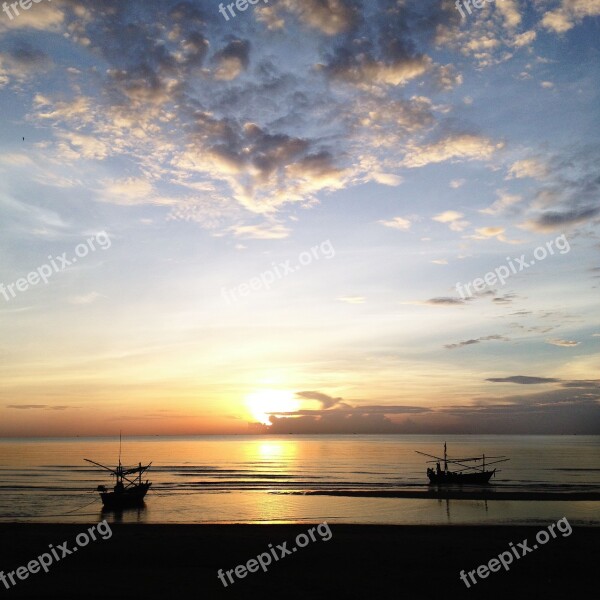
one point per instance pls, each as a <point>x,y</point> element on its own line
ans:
<point>263,402</point>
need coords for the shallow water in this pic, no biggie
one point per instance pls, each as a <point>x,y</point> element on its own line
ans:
<point>264,479</point>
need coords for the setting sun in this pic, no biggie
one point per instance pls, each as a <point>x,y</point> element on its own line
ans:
<point>262,403</point>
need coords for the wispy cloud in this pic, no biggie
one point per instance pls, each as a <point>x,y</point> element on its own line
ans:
<point>397,223</point>
<point>470,342</point>
<point>563,343</point>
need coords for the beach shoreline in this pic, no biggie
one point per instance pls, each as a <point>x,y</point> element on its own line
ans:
<point>359,561</point>
<point>456,494</point>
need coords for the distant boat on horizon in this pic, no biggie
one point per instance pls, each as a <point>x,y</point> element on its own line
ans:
<point>478,476</point>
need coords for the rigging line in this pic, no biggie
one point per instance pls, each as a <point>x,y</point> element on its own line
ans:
<point>66,513</point>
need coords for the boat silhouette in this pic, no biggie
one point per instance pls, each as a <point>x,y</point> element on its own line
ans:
<point>469,474</point>
<point>127,492</point>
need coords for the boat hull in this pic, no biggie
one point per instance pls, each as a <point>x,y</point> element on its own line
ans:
<point>133,496</point>
<point>450,478</point>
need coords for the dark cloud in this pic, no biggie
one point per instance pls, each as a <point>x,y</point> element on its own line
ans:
<point>186,95</point>
<point>505,299</point>
<point>593,384</point>
<point>39,406</point>
<point>232,59</point>
<point>572,408</point>
<point>476,341</point>
<point>569,192</point>
<point>555,220</point>
<point>346,419</point>
<point>523,379</point>
<point>25,55</point>
<point>445,301</point>
<point>346,410</point>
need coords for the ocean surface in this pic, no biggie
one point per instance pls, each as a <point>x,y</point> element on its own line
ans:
<point>299,479</point>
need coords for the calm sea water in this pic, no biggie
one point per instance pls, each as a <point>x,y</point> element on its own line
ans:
<point>268,479</point>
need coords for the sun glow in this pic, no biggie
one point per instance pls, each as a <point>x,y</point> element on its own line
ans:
<point>264,402</point>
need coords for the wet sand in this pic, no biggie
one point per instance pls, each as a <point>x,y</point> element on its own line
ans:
<point>359,561</point>
<point>459,493</point>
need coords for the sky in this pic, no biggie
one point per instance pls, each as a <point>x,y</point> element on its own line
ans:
<point>326,216</point>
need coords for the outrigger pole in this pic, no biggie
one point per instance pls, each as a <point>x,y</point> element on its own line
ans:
<point>458,462</point>
<point>120,472</point>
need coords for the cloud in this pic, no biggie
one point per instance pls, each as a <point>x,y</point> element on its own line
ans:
<point>476,341</point>
<point>330,17</point>
<point>448,216</point>
<point>270,17</point>
<point>568,196</point>
<point>552,220</point>
<point>452,147</point>
<point>232,60</point>
<point>523,380</point>
<point>387,179</point>
<point>525,38</point>
<point>21,61</point>
<point>325,400</point>
<point>509,9</point>
<point>190,103</point>
<point>493,36</point>
<point>560,411</point>
<point>488,232</point>
<point>264,231</point>
<point>445,301</point>
<point>39,407</point>
<point>500,206</point>
<point>74,146</point>
<point>364,65</point>
<point>568,14</point>
<point>397,223</point>
<point>46,16</point>
<point>505,299</point>
<point>85,298</point>
<point>352,299</point>
<point>128,192</point>
<point>453,219</point>
<point>530,167</point>
<point>387,121</point>
<point>337,416</point>
<point>563,343</point>
<point>572,408</point>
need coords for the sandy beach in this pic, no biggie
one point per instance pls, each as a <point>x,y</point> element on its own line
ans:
<point>359,561</point>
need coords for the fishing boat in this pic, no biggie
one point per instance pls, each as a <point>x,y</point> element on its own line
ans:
<point>475,474</point>
<point>128,491</point>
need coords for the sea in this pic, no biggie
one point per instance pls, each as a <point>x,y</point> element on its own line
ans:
<point>370,479</point>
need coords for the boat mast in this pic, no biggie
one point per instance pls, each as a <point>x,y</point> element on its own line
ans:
<point>120,469</point>
<point>445,458</point>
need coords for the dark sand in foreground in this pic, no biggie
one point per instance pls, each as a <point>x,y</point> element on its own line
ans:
<point>360,561</point>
